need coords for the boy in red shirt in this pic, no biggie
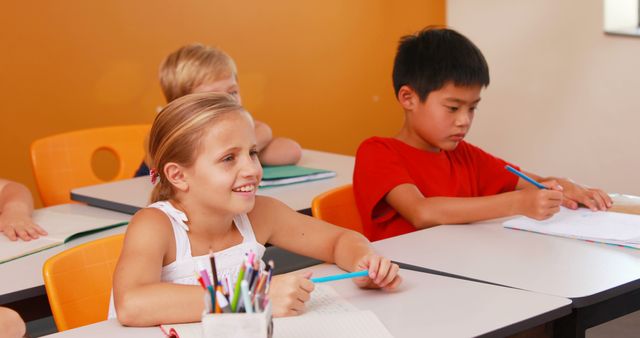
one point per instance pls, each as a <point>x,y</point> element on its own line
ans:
<point>427,174</point>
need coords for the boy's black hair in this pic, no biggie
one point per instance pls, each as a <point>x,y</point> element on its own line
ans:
<point>429,59</point>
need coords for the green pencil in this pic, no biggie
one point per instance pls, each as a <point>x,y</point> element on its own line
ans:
<point>236,290</point>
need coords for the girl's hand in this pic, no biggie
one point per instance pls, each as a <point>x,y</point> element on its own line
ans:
<point>288,293</point>
<point>16,225</point>
<point>594,199</point>
<point>382,273</point>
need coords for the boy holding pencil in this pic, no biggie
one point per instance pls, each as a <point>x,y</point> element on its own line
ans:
<point>427,174</point>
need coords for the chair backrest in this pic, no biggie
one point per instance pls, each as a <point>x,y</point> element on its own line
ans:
<point>78,282</point>
<point>63,162</point>
<point>338,206</point>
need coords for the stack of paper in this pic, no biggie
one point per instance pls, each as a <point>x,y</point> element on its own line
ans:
<point>289,174</point>
<point>596,226</point>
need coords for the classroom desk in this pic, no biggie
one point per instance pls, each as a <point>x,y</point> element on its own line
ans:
<point>132,194</point>
<point>425,305</point>
<point>22,286</point>
<point>603,281</point>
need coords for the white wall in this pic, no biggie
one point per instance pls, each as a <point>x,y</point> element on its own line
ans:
<point>620,14</point>
<point>564,98</point>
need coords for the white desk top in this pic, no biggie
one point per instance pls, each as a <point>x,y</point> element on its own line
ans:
<point>435,306</point>
<point>110,329</point>
<point>132,194</point>
<point>22,274</point>
<point>425,305</point>
<point>545,264</point>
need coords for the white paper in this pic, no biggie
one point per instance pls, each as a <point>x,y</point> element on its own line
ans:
<point>353,324</point>
<point>604,226</point>
<point>325,299</point>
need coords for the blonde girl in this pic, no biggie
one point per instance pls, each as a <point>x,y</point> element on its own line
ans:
<point>204,159</point>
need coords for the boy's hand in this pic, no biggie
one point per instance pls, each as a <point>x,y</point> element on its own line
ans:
<point>382,273</point>
<point>541,204</point>
<point>594,199</point>
<point>15,224</point>
<point>288,293</point>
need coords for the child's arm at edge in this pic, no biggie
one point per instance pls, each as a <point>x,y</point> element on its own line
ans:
<point>16,207</point>
<point>11,324</point>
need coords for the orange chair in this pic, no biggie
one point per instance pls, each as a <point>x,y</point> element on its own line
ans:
<point>338,206</point>
<point>63,162</point>
<point>78,282</point>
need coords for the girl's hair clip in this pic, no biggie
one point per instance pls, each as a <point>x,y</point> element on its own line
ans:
<point>153,172</point>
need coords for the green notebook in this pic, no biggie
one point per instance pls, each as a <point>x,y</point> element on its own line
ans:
<point>290,174</point>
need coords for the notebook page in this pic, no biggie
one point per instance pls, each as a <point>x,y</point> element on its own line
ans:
<point>61,225</point>
<point>354,324</point>
<point>584,223</point>
<point>14,249</point>
<point>61,222</point>
<point>325,299</point>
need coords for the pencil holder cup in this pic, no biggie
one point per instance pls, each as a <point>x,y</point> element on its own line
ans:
<point>238,325</point>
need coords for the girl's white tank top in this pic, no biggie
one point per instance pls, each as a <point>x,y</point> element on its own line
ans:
<point>185,268</point>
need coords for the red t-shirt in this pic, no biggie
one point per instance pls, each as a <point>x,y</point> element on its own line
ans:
<point>384,163</point>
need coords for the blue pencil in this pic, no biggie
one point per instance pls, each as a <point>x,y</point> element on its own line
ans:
<point>524,177</point>
<point>362,273</point>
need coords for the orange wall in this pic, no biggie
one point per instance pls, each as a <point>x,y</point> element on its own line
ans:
<point>318,72</point>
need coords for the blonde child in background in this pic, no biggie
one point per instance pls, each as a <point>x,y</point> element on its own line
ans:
<point>196,68</point>
<point>204,157</point>
<point>16,206</point>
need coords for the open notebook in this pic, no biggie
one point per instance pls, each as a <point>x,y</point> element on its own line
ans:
<point>596,226</point>
<point>290,174</point>
<point>327,315</point>
<point>63,223</point>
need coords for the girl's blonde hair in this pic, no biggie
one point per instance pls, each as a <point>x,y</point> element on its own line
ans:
<point>191,66</point>
<point>177,132</point>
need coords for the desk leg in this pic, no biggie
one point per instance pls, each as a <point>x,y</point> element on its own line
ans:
<point>583,318</point>
<point>567,326</point>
